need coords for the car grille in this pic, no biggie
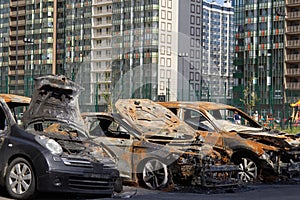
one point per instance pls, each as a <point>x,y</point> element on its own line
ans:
<point>75,162</point>
<point>89,183</point>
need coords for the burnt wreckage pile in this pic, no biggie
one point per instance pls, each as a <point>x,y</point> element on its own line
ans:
<point>157,150</point>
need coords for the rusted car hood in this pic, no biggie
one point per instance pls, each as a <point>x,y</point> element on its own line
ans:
<point>155,121</point>
<point>55,98</point>
<point>13,100</point>
<point>260,133</point>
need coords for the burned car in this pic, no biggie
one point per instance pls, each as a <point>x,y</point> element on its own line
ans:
<point>157,150</point>
<point>256,149</point>
<point>53,153</point>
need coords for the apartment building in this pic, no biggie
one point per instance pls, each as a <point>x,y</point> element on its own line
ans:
<point>292,51</point>
<point>259,56</point>
<point>157,49</point>
<point>70,37</point>
<point>217,52</point>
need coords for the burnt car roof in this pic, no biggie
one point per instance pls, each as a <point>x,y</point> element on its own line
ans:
<point>55,98</point>
<point>151,118</point>
<point>210,106</point>
<point>13,100</point>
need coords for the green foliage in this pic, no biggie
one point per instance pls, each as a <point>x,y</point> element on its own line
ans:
<point>293,130</point>
<point>250,98</point>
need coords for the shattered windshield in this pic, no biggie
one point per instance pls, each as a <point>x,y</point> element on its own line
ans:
<point>233,120</point>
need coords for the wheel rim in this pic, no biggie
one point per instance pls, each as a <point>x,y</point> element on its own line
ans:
<point>20,178</point>
<point>155,174</point>
<point>248,169</point>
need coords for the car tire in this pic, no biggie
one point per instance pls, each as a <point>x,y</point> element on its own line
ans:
<point>249,169</point>
<point>155,174</point>
<point>20,179</point>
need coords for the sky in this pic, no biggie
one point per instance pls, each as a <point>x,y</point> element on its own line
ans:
<point>218,1</point>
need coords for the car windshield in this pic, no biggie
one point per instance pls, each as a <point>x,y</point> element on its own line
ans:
<point>56,128</point>
<point>233,120</point>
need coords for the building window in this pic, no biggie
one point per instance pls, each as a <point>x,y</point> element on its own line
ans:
<point>163,14</point>
<point>192,19</point>
<point>192,65</point>
<point>168,74</point>
<point>192,42</point>
<point>168,62</point>
<point>169,3</point>
<point>198,9</point>
<point>192,31</point>
<point>162,61</point>
<point>169,27</point>
<point>162,73</point>
<point>168,51</point>
<point>192,8</point>
<point>191,76</point>
<point>169,39</point>
<point>169,15</point>
<point>163,26</point>
<point>163,38</point>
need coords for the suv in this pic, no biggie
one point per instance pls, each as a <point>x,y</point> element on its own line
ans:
<point>256,159</point>
<point>53,153</point>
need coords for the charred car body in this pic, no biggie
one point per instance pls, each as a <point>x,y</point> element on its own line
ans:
<point>156,149</point>
<point>52,154</point>
<point>269,151</point>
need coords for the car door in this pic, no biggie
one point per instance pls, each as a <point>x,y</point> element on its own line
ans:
<point>120,141</point>
<point>199,121</point>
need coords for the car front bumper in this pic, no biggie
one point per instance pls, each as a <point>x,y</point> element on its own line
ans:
<point>77,182</point>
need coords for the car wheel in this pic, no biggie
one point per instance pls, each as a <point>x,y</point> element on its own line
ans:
<point>155,174</point>
<point>248,169</point>
<point>20,179</point>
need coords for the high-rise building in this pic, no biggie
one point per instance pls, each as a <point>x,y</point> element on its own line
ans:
<point>217,52</point>
<point>259,56</point>
<point>70,37</point>
<point>12,54</point>
<point>292,51</point>
<point>157,49</point>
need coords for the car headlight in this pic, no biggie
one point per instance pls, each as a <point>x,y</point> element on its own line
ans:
<point>50,144</point>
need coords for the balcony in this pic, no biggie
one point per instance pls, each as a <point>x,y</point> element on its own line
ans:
<point>107,23</point>
<point>13,72</point>
<point>291,3</point>
<point>293,15</point>
<point>101,2</point>
<point>19,3</point>
<point>293,44</point>
<point>14,43</point>
<point>103,13</point>
<point>20,32</point>
<point>14,13</point>
<point>293,86</point>
<point>293,72</point>
<point>293,58</point>
<point>293,29</point>
<point>20,53</point>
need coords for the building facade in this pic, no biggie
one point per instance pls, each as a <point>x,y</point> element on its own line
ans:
<point>69,37</point>
<point>217,52</point>
<point>158,46</point>
<point>292,51</point>
<point>259,57</point>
